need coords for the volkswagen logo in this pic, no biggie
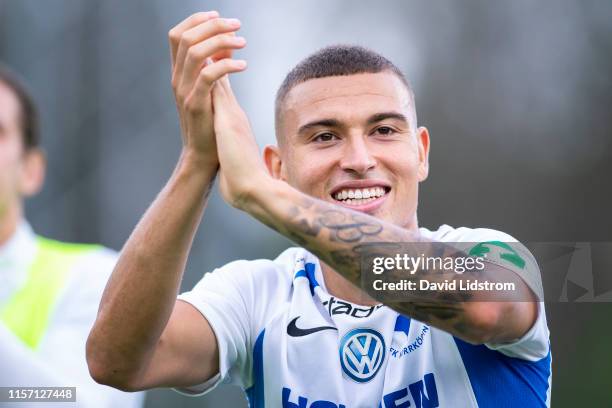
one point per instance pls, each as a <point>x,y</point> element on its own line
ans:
<point>362,353</point>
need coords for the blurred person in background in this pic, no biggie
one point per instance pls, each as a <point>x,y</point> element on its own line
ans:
<point>299,331</point>
<point>49,290</point>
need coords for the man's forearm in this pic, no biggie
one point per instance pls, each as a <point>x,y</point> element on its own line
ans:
<point>141,292</point>
<point>336,235</point>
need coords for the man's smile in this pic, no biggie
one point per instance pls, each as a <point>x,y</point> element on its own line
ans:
<point>361,195</point>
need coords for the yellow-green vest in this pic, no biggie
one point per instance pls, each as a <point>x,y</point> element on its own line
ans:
<point>28,311</point>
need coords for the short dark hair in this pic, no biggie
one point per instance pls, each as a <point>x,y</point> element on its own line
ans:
<point>28,115</point>
<point>336,60</point>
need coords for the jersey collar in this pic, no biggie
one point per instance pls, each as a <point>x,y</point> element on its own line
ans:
<point>15,257</point>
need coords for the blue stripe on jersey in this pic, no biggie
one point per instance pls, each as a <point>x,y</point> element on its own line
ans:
<point>402,324</point>
<point>309,273</point>
<point>255,393</point>
<point>502,381</point>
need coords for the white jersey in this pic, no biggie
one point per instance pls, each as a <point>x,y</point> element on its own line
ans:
<point>59,358</point>
<point>288,343</point>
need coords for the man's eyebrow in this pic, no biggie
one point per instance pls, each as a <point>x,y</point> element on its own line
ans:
<point>333,123</point>
<point>386,115</point>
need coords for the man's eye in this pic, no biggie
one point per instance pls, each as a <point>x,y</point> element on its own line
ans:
<point>385,130</point>
<point>324,137</point>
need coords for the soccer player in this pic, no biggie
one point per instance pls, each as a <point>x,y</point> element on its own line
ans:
<point>49,290</point>
<point>298,331</point>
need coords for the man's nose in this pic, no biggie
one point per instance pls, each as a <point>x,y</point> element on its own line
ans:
<point>357,157</point>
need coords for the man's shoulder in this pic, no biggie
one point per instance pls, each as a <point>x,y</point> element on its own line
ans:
<point>83,259</point>
<point>276,271</point>
<point>87,268</point>
<point>261,284</point>
<point>75,249</point>
<point>446,233</point>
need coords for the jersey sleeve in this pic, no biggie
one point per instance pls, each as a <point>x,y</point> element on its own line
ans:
<point>227,298</point>
<point>504,250</point>
<point>533,346</point>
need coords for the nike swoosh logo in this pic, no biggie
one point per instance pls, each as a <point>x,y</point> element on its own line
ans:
<point>295,331</point>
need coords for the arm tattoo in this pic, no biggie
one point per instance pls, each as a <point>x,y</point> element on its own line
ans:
<point>338,236</point>
<point>348,227</point>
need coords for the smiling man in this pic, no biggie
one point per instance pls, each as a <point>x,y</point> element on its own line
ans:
<point>300,331</point>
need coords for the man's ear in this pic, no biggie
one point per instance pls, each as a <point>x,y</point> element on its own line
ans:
<point>274,162</point>
<point>423,146</point>
<point>33,172</point>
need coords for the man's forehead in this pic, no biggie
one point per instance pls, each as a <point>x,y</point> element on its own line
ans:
<point>9,103</point>
<point>346,95</point>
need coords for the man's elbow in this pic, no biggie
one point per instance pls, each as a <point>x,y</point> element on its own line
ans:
<point>102,370</point>
<point>483,322</point>
<point>499,322</point>
<point>104,375</point>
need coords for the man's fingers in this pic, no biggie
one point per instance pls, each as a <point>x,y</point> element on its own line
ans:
<point>207,77</point>
<point>199,33</point>
<point>197,55</point>
<point>225,86</point>
<point>174,35</point>
<point>211,73</point>
<point>220,94</point>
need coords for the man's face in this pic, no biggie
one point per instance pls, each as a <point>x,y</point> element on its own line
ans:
<point>16,179</point>
<point>11,148</point>
<point>350,140</point>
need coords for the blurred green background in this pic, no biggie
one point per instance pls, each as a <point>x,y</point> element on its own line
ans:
<point>517,96</point>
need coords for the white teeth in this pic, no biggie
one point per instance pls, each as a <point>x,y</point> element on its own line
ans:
<point>359,196</point>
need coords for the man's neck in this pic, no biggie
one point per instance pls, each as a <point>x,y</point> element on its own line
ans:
<point>340,287</point>
<point>9,220</point>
